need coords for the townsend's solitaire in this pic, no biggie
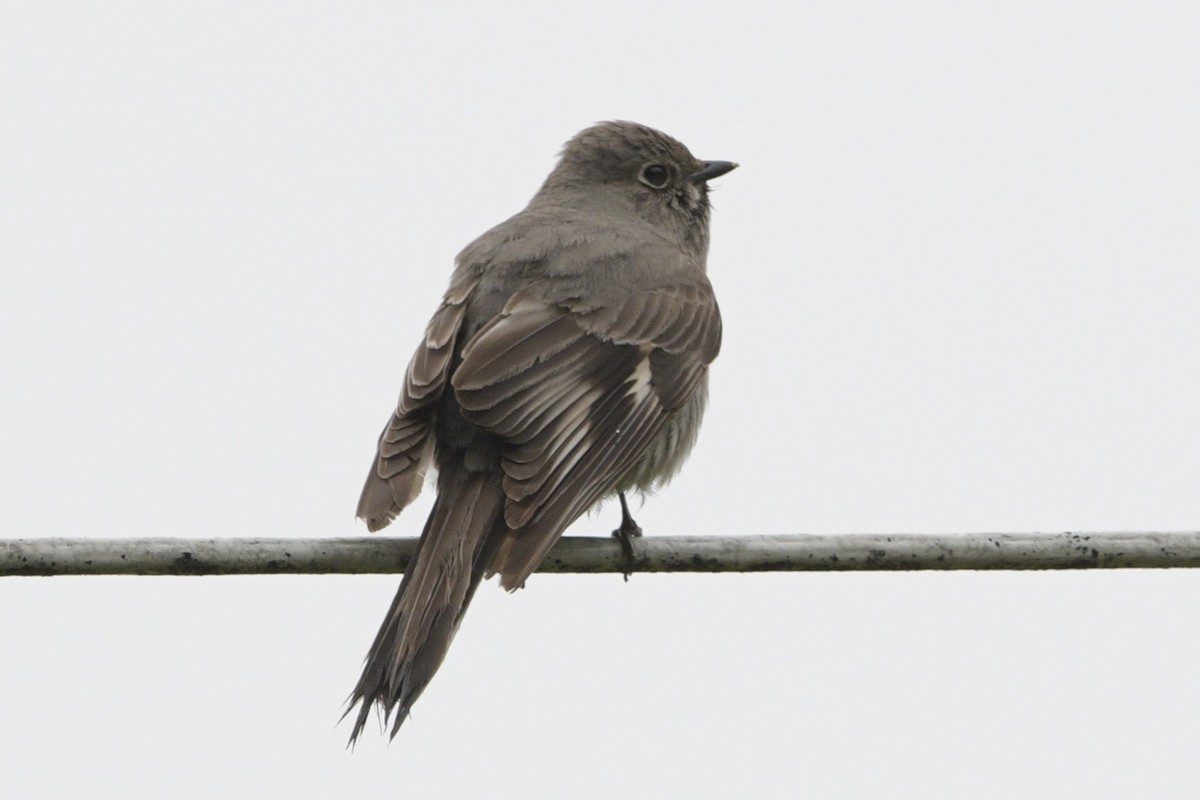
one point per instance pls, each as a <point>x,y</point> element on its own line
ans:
<point>567,363</point>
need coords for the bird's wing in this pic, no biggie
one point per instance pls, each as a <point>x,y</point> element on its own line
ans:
<point>577,390</point>
<point>406,445</point>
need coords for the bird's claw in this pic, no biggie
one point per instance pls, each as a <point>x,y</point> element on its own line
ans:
<point>625,535</point>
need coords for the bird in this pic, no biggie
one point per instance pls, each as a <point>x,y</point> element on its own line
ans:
<point>566,364</point>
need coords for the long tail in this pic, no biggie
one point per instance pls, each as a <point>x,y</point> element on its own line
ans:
<point>455,550</point>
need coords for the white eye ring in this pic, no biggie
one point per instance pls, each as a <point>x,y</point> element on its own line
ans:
<point>656,176</point>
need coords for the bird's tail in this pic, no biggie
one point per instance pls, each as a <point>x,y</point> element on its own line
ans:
<point>455,551</point>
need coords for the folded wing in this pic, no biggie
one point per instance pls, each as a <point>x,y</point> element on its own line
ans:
<point>578,392</point>
<point>406,444</point>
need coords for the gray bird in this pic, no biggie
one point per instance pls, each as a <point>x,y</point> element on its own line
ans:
<point>567,363</point>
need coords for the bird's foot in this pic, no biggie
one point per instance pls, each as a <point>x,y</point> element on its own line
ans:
<point>625,534</point>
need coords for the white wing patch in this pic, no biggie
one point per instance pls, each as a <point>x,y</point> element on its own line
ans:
<point>639,382</point>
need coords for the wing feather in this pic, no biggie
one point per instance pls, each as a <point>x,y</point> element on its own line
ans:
<point>406,445</point>
<point>578,392</point>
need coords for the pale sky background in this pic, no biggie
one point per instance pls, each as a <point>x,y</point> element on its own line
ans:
<point>960,275</point>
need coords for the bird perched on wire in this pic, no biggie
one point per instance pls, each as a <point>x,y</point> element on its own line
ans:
<point>567,363</point>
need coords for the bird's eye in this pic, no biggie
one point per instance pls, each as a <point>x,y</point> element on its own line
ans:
<point>655,176</point>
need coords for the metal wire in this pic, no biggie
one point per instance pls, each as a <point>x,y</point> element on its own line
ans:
<point>798,553</point>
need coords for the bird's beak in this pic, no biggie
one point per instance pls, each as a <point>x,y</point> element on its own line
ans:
<point>711,169</point>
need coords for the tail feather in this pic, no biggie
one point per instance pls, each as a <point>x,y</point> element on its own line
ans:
<point>462,531</point>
